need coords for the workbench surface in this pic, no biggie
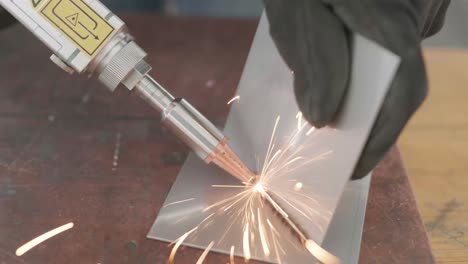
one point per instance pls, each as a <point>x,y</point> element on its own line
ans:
<point>70,151</point>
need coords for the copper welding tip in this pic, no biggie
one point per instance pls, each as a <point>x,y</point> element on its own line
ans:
<point>225,158</point>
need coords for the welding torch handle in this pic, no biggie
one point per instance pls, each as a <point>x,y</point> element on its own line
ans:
<point>86,37</point>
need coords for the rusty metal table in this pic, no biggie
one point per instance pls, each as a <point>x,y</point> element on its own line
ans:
<point>72,152</point>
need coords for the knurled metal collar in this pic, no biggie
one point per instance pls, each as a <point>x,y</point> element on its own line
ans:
<point>121,65</point>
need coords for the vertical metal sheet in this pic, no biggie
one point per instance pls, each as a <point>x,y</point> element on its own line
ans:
<point>265,93</point>
<point>345,232</point>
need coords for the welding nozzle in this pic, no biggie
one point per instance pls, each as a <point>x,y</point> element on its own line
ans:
<point>193,128</point>
<point>125,64</point>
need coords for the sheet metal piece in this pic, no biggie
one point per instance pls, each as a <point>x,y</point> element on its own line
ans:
<point>265,93</point>
<point>345,231</point>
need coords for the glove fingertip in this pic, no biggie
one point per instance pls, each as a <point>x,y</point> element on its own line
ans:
<point>359,173</point>
<point>318,108</point>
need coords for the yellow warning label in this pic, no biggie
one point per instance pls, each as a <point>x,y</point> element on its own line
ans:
<point>79,23</point>
<point>35,3</point>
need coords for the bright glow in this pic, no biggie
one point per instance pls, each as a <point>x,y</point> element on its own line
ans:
<point>205,253</point>
<point>235,98</point>
<point>321,254</point>
<point>299,120</point>
<point>298,186</point>
<point>231,256</point>
<point>263,239</point>
<point>272,184</point>
<point>311,130</point>
<point>246,243</point>
<point>36,241</point>
<point>259,188</point>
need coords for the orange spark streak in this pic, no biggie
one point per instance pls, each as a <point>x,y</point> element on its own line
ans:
<point>299,120</point>
<point>231,256</point>
<point>246,244</point>
<point>36,241</point>
<point>235,98</point>
<point>178,202</point>
<point>245,205</point>
<point>180,240</point>
<point>271,226</point>
<point>288,146</point>
<point>208,217</point>
<point>228,186</point>
<point>205,253</point>
<point>311,130</point>
<point>276,206</point>
<point>294,207</point>
<point>241,195</point>
<point>321,254</point>
<point>276,170</point>
<point>278,258</point>
<point>321,156</point>
<point>271,145</point>
<point>263,238</point>
<point>240,199</point>
<point>272,159</point>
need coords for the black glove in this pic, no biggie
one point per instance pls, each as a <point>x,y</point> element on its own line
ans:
<point>313,37</point>
<point>5,18</point>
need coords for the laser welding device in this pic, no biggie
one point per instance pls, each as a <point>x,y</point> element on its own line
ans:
<point>87,38</point>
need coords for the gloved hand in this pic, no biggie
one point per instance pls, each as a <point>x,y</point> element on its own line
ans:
<point>5,18</point>
<point>313,37</point>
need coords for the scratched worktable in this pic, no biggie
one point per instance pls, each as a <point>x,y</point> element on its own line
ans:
<point>70,151</point>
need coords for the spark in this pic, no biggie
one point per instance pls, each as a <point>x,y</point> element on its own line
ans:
<point>206,218</point>
<point>272,159</point>
<point>205,253</point>
<point>235,98</point>
<point>298,186</point>
<point>178,202</point>
<point>38,240</point>
<point>245,207</point>
<point>294,207</point>
<point>271,225</point>
<point>179,242</point>
<point>277,253</point>
<point>228,186</point>
<point>299,120</point>
<point>116,151</point>
<point>310,131</point>
<point>231,256</point>
<point>246,245</point>
<point>263,238</point>
<point>321,254</point>
<point>270,145</point>
<point>259,188</point>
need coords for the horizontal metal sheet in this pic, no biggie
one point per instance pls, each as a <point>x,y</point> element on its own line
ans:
<point>308,175</point>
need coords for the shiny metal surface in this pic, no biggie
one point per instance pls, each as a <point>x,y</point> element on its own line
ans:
<point>265,93</point>
<point>344,235</point>
<point>122,65</point>
<point>154,94</point>
<point>189,129</point>
<point>206,141</point>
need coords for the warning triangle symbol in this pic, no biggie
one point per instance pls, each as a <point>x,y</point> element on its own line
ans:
<point>35,3</point>
<point>73,19</point>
